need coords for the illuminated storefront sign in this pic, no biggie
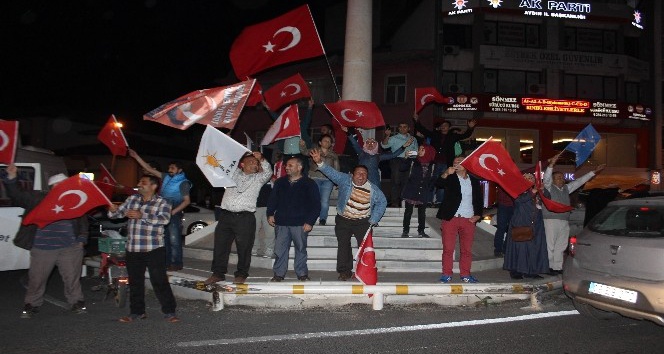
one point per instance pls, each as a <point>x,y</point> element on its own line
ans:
<point>542,105</point>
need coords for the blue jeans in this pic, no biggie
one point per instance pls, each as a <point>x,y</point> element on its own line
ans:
<point>504,216</point>
<point>439,192</point>
<point>325,188</point>
<point>286,234</point>
<point>173,240</point>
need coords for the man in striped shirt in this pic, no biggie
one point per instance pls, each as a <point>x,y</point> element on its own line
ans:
<point>148,214</point>
<point>360,205</point>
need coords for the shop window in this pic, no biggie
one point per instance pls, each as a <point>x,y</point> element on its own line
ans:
<point>521,144</point>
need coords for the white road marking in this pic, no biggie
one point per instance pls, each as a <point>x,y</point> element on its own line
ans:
<point>312,335</point>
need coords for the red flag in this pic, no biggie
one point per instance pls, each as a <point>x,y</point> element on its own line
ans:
<point>8,141</point>
<point>286,126</point>
<point>219,107</point>
<point>550,204</point>
<point>256,95</point>
<point>105,181</point>
<point>287,38</point>
<point>365,269</point>
<point>426,95</point>
<point>492,162</point>
<point>340,138</point>
<point>69,199</point>
<point>111,135</point>
<point>359,114</point>
<point>287,91</point>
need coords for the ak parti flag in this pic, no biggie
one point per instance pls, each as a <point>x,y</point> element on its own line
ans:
<point>365,268</point>
<point>550,204</point>
<point>287,91</point>
<point>358,114</point>
<point>287,38</point>
<point>492,162</point>
<point>69,199</point>
<point>286,126</point>
<point>219,107</point>
<point>219,156</point>
<point>8,140</point>
<point>426,95</point>
<point>105,181</point>
<point>584,144</point>
<point>111,135</point>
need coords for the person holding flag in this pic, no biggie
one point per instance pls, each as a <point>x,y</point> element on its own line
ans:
<point>398,175</point>
<point>58,243</point>
<point>556,224</point>
<point>361,204</point>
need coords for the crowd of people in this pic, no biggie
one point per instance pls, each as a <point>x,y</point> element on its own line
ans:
<point>275,205</point>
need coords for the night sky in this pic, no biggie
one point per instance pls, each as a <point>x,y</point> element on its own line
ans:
<point>88,59</point>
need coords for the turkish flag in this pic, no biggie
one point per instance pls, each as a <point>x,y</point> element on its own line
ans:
<point>219,107</point>
<point>426,95</point>
<point>287,91</point>
<point>365,268</point>
<point>287,38</point>
<point>256,95</point>
<point>551,205</point>
<point>111,135</point>
<point>492,162</point>
<point>8,140</point>
<point>286,126</point>
<point>105,181</point>
<point>358,114</point>
<point>69,199</point>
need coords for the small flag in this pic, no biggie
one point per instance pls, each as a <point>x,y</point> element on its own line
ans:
<point>358,114</point>
<point>584,144</point>
<point>8,140</point>
<point>426,95</point>
<point>111,135</point>
<point>286,126</point>
<point>286,91</point>
<point>365,269</point>
<point>218,157</point>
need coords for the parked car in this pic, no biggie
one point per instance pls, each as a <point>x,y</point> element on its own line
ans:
<point>195,218</point>
<point>615,266</point>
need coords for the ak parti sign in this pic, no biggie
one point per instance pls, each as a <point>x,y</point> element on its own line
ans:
<point>543,105</point>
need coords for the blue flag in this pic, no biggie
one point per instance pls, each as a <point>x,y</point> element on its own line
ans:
<point>584,144</point>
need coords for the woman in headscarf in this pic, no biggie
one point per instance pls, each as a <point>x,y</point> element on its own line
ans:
<point>527,259</point>
<point>418,189</point>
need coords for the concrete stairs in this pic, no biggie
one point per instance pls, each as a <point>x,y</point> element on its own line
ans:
<point>393,253</point>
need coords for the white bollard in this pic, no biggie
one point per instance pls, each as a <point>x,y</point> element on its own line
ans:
<point>378,301</point>
<point>217,300</point>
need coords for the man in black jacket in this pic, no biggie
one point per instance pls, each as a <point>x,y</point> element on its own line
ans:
<point>443,140</point>
<point>460,210</point>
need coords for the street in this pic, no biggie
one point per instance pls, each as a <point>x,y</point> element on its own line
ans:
<point>505,327</point>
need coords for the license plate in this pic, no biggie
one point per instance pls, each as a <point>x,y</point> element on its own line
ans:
<point>612,292</point>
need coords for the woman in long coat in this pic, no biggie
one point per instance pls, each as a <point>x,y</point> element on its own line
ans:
<point>527,259</point>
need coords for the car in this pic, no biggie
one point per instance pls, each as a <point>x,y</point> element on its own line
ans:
<point>195,218</point>
<point>615,265</point>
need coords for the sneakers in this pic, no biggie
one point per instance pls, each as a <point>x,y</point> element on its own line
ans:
<point>404,235</point>
<point>132,317</point>
<point>303,278</point>
<point>345,276</point>
<point>322,222</point>
<point>29,311</point>
<point>214,279</point>
<point>171,318</point>
<point>469,279</point>
<point>423,235</point>
<point>277,279</point>
<point>445,278</point>
<point>79,308</point>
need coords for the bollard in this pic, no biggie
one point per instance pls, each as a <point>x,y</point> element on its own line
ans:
<point>378,300</point>
<point>217,300</point>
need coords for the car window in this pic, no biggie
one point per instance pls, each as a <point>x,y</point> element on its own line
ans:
<point>631,221</point>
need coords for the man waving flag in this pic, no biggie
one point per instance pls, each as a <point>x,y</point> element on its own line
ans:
<point>287,38</point>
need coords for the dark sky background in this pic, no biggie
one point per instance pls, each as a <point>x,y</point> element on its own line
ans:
<point>88,59</point>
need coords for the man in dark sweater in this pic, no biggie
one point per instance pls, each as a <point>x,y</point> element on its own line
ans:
<point>293,208</point>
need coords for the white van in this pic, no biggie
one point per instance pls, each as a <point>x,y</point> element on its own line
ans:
<point>35,166</point>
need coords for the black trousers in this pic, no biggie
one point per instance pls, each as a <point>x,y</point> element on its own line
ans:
<point>421,217</point>
<point>398,178</point>
<point>155,262</point>
<point>345,229</point>
<point>241,228</point>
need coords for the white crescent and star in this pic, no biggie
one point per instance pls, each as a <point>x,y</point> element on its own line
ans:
<point>113,136</point>
<point>5,140</point>
<point>81,195</point>
<point>358,114</point>
<point>286,123</point>
<point>269,47</point>
<point>482,162</point>
<point>297,88</point>
<point>366,250</point>
<point>423,100</point>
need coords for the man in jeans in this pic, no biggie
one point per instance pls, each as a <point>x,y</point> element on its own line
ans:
<point>292,209</point>
<point>148,214</point>
<point>175,189</point>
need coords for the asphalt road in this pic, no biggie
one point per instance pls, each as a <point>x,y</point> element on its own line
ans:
<point>502,328</point>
